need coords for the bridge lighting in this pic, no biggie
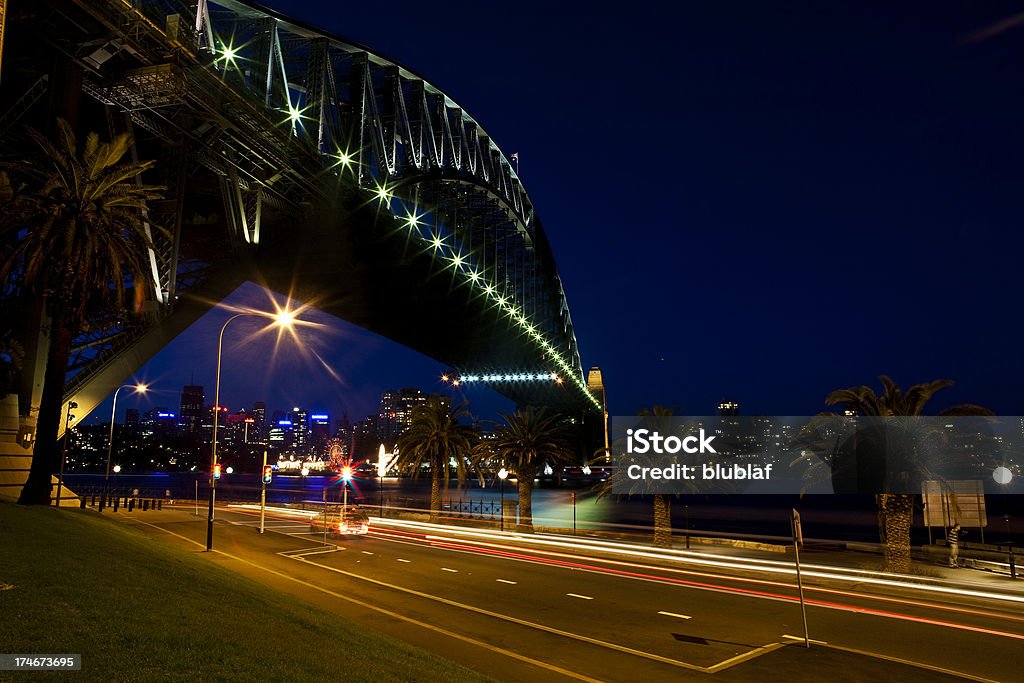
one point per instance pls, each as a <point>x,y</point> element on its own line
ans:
<point>344,159</point>
<point>412,220</point>
<point>383,194</point>
<point>458,260</point>
<point>437,242</point>
<point>473,275</point>
<point>229,54</point>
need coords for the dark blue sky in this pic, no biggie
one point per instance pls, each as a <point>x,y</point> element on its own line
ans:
<point>760,201</point>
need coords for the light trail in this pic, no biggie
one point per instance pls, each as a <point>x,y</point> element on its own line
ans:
<point>745,564</point>
<point>740,591</point>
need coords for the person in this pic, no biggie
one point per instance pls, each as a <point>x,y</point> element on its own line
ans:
<point>953,540</point>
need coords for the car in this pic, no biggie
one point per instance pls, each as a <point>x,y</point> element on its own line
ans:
<point>352,521</point>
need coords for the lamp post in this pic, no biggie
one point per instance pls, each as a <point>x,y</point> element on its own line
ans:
<point>503,475</point>
<point>283,319</point>
<point>139,389</point>
<point>64,449</point>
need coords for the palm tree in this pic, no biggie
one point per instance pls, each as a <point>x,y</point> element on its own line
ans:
<point>897,509</point>
<point>74,217</point>
<point>528,439</point>
<point>662,502</point>
<point>438,439</point>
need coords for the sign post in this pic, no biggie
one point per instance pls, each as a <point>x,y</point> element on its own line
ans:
<point>798,539</point>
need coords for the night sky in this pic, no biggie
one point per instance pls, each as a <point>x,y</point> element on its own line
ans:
<point>755,201</point>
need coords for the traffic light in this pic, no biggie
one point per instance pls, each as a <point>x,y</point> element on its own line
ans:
<point>216,471</point>
<point>268,474</point>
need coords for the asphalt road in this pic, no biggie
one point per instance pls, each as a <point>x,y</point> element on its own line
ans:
<point>549,609</point>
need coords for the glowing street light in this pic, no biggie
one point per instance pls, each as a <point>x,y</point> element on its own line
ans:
<point>139,389</point>
<point>502,475</point>
<point>283,318</point>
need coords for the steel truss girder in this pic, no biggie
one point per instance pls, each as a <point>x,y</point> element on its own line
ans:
<point>293,98</point>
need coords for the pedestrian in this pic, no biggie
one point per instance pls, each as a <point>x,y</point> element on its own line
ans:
<point>953,540</point>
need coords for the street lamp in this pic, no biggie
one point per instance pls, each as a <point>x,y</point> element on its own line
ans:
<point>503,475</point>
<point>139,389</point>
<point>282,319</point>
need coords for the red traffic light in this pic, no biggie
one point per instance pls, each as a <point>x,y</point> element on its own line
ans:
<point>216,471</point>
<point>268,474</point>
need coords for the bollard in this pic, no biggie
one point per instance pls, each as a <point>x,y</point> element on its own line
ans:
<point>82,503</point>
<point>103,502</point>
<point>145,504</point>
<point>160,505</point>
<point>116,501</point>
<point>131,504</point>
<point>1013,565</point>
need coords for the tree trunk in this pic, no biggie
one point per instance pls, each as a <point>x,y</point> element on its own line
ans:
<point>46,452</point>
<point>899,515</point>
<point>662,521</point>
<point>524,482</point>
<point>435,492</point>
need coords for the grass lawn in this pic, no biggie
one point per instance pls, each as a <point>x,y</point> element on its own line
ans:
<point>135,609</point>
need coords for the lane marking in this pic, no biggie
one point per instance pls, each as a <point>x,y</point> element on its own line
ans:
<point>516,620</point>
<point>581,597</point>
<point>367,552</point>
<point>446,569</point>
<point>401,559</point>
<point>718,588</point>
<point>394,615</point>
<point>683,616</point>
<point>800,639</point>
<point>512,583</point>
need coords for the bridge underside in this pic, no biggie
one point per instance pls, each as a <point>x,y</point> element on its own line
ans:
<point>374,196</point>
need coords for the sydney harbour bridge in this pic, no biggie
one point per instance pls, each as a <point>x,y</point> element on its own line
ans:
<point>304,162</point>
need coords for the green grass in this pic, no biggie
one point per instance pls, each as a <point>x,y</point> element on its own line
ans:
<point>136,609</point>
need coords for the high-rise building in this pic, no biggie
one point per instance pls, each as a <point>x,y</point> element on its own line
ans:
<point>158,423</point>
<point>728,409</point>
<point>193,404</point>
<point>365,440</point>
<point>319,434</point>
<point>395,413</point>
<point>259,416</point>
<point>131,421</point>
<point>300,429</point>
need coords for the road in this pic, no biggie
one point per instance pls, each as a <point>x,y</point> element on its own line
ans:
<point>554,607</point>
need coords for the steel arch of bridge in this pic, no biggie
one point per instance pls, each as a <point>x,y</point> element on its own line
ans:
<point>283,105</point>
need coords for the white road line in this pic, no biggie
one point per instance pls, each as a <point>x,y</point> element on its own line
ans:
<point>581,597</point>
<point>403,560</point>
<point>446,569</point>
<point>367,552</point>
<point>506,581</point>
<point>678,616</point>
<point>800,638</point>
